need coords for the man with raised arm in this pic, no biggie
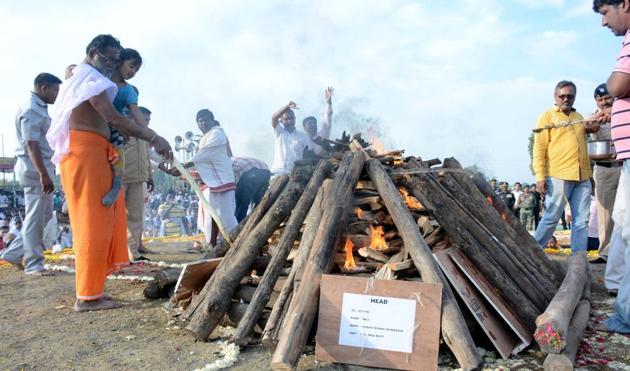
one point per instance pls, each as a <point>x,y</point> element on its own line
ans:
<point>79,136</point>
<point>289,143</point>
<point>310,123</point>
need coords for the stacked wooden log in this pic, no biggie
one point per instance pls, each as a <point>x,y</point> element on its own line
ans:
<point>561,327</point>
<point>357,212</point>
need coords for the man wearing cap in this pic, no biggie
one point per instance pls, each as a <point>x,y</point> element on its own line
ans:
<point>606,175</point>
<point>506,196</point>
<point>562,167</point>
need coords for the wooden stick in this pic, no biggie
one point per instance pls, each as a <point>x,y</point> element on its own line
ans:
<point>454,329</point>
<point>272,329</point>
<point>303,307</point>
<point>226,278</point>
<point>289,234</point>
<point>246,225</point>
<point>202,199</point>
<point>564,125</point>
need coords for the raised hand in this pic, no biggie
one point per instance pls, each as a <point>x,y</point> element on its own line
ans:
<point>328,93</point>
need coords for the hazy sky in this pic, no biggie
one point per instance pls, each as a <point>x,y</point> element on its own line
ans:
<point>445,78</point>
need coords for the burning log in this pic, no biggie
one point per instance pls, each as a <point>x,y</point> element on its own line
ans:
<point>219,289</point>
<point>272,329</point>
<point>454,329</point>
<point>552,269</point>
<point>372,254</point>
<point>523,248</point>
<point>450,217</point>
<point>303,308</point>
<point>566,359</point>
<point>491,229</point>
<point>552,325</point>
<point>289,234</point>
<point>252,220</point>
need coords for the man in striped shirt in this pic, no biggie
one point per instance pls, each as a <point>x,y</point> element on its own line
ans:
<point>616,16</point>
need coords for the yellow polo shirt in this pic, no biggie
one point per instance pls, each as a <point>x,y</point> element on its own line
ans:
<point>561,152</point>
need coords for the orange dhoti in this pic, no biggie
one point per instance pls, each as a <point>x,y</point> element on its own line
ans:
<point>99,233</point>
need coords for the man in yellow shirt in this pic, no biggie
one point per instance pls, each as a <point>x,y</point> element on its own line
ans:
<point>562,168</point>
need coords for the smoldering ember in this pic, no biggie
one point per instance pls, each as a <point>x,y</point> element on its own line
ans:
<point>451,203</point>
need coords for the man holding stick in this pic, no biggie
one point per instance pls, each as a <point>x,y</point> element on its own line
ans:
<point>79,136</point>
<point>562,167</point>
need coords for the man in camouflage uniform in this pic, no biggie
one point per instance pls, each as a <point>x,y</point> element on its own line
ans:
<point>527,203</point>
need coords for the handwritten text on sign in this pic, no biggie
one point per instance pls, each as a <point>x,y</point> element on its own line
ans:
<point>377,322</point>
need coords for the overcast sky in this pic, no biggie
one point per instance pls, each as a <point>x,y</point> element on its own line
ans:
<point>444,78</point>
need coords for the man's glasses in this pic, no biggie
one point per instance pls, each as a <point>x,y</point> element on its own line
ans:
<point>566,96</point>
<point>112,61</point>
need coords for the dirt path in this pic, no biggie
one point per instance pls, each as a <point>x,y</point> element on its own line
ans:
<point>40,331</point>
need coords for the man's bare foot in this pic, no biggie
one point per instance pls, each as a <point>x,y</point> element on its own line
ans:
<point>42,273</point>
<point>93,305</point>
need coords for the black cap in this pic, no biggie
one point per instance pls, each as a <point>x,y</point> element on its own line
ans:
<point>600,90</point>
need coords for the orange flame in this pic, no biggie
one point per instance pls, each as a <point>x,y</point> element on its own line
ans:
<point>411,201</point>
<point>505,216</point>
<point>349,263</point>
<point>377,144</point>
<point>377,238</point>
<point>490,202</point>
<point>359,212</point>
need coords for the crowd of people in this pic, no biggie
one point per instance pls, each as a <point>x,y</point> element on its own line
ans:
<point>100,140</point>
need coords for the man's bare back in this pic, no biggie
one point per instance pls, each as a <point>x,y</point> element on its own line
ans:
<point>85,118</point>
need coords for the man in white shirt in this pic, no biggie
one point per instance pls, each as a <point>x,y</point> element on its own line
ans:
<point>289,143</point>
<point>214,165</point>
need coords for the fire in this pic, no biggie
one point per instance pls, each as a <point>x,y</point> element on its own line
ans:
<point>377,144</point>
<point>411,201</point>
<point>349,263</point>
<point>359,213</point>
<point>490,202</point>
<point>377,238</point>
<point>505,216</point>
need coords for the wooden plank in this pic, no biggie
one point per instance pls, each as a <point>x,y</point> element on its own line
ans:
<point>498,303</point>
<point>502,337</point>
<point>193,277</point>
<point>426,326</point>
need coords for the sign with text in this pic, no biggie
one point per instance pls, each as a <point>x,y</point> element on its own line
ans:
<point>379,323</point>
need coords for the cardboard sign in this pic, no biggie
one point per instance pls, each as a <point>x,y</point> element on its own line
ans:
<point>379,323</point>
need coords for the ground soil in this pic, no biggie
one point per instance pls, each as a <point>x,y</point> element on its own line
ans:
<point>40,330</point>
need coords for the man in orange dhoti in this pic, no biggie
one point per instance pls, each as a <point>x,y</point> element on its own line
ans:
<point>79,135</point>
